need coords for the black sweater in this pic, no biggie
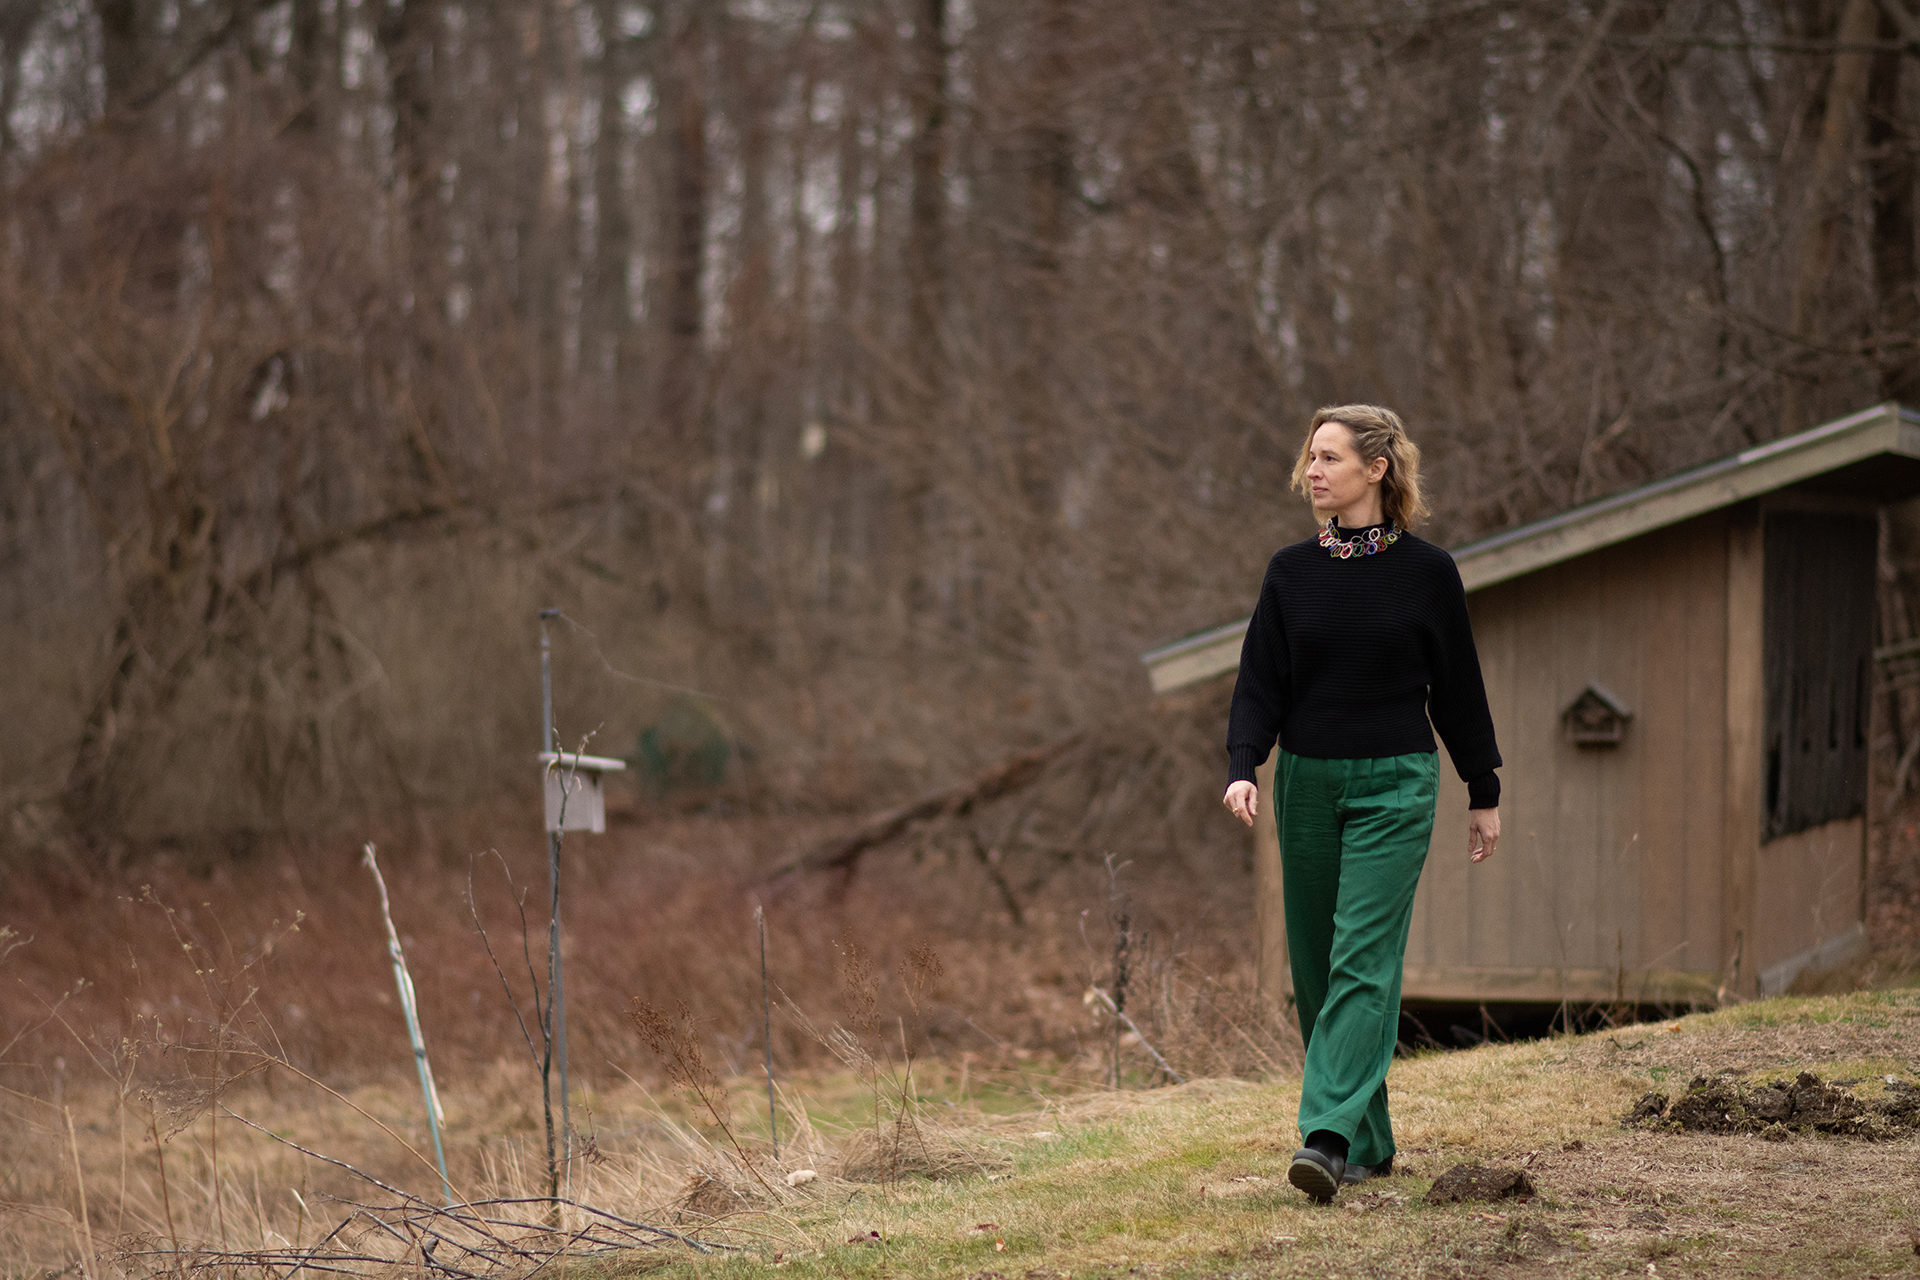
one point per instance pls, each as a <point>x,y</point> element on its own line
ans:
<point>1346,659</point>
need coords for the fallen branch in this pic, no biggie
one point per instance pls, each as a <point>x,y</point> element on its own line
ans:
<point>700,1246</point>
<point>1115,1010</point>
<point>420,1226</point>
<point>843,852</point>
<point>345,1264</point>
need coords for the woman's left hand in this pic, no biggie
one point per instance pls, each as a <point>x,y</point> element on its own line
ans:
<point>1483,832</point>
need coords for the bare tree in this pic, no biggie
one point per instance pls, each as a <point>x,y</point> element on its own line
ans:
<point>899,369</point>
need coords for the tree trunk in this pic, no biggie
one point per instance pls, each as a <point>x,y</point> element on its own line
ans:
<point>16,24</point>
<point>406,36</point>
<point>1890,157</point>
<point>1828,194</point>
<point>121,53</point>
<point>1044,151</point>
<point>305,66</point>
<point>684,109</point>
<point>926,222</point>
<point>610,300</point>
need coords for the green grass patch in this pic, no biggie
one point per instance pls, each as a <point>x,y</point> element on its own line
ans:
<point>1191,1181</point>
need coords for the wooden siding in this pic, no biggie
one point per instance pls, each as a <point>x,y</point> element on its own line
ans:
<point>1745,753</point>
<point>1583,986</point>
<point>1807,890</point>
<point>1609,872</point>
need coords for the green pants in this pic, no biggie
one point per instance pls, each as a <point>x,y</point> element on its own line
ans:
<point>1353,838</point>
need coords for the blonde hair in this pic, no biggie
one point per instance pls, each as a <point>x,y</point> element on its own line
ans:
<point>1377,433</point>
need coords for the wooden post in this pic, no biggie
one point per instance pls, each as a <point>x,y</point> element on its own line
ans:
<point>1746,752</point>
<point>1272,971</point>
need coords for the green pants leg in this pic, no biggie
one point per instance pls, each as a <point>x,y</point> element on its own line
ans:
<point>1353,839</point>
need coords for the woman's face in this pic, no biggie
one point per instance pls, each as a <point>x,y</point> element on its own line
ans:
<point>1338,478</point>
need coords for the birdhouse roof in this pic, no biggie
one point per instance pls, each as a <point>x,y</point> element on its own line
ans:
<point>1604,696</point>
<point>589,764</point>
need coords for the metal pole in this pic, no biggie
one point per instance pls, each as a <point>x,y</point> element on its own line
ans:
<point>559,989</point>
<point>555,975</point>
<point>546,681</point>
<point>766,1013</point>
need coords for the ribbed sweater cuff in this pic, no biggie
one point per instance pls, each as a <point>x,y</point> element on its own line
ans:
<point>1241,762</point>
<point>1483,792</point>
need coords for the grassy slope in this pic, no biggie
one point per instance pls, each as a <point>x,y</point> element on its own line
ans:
<point>1190,1181</point>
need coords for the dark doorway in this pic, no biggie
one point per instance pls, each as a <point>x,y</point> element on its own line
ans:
<point>1819,658</point>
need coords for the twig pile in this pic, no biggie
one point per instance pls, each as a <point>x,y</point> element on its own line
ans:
<point>478,1240</point>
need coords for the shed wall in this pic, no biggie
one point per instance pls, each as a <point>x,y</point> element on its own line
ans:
<point>1608,880</point>
<point>1807,891</point>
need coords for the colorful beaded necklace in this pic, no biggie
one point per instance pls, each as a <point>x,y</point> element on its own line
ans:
<point>1372,542</point>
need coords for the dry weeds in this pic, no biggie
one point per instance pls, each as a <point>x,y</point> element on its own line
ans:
<point>1190,1181</point>
<point>661,908</point>
<point>1180,1181</point>
<point>167,1017</point>
<point>940,1068</point>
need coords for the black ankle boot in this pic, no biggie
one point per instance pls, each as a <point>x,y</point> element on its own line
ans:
<point>1328,1143</point>
<point>1361,1172</point>
<point>1319,1166</point>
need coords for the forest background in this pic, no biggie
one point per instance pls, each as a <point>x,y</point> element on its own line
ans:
<point>869,382</point>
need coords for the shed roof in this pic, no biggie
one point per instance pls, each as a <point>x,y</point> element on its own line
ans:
<point>1874,453</point>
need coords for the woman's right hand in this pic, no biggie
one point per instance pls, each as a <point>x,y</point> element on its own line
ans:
<point>1243,798</point>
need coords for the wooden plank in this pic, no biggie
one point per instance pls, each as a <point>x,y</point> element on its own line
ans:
<point>1659,739</point>
<point>1493,887</point>
<point>1702,781</point>
<point>1449,883</point>
<point>1203,662</point>
<point>1581,849</point>
<point>1271,973</point>
<point>1806,889</point>
<point>1745,756</point>
<point>1453,880</point>
<point>1629,577</point>
<point>1532,856</point>
<point>1583,986</point>
<point>1500,660</point>
<point>1832,953</point>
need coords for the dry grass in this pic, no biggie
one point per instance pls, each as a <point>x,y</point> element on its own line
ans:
<point>1190,1181</point>
<point>1013,897</point>
<point>662,911</point>
<point>158,1010</point>
<point>99,1178</point>
<point>1005,1173</point>
<point>942,1068</point>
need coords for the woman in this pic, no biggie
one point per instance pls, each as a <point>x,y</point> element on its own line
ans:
<point>1360,636</point>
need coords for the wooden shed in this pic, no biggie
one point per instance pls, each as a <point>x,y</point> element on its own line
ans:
<point>1681,677</point>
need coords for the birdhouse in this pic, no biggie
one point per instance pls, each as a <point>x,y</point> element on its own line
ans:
<point>576,799</point>
<point>1596,718</point>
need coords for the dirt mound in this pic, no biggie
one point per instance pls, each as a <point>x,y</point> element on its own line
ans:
<point>1777,1108</point>
<point>1478,1182</point>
